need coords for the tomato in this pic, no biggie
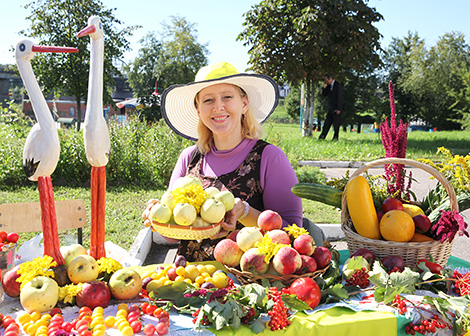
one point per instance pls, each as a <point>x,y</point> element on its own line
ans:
<point>55,311</point>
<point>136,326</point>
<point>7,320</point>
<point>433,267</point>
<point>3,236</point>
<point>307,290</point>
<point>165,314</point>
<point>392,204</point>
<point>134,307</point>
<point>158,312</point>
<point>161,328</point>
<point>149,329</point>
<point>67,326</point>
<point>144,307</point>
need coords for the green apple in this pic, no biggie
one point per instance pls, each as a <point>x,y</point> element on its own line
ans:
<point>40,294</point>
<point>186,181</point>
<point>71,251</point>
<point>212,211</point>
<point>125,284</point>
<point>353,264</point>
<point>211,191</point>
<point>199,222</point>
<point>168,199</point>
<point>227,198</point>
<point>184,214</point>
<point>83,268</point>
<point>160,213</point>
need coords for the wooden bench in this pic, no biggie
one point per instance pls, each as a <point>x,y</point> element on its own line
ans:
<point>26,217</point>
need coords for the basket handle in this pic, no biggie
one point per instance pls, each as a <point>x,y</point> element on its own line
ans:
<point>454,205</point>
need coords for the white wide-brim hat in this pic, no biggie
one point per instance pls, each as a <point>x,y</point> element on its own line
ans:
<point>177,103</point>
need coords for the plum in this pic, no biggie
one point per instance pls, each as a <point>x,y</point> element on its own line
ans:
<point>366,254</point>
<point>390,262</point>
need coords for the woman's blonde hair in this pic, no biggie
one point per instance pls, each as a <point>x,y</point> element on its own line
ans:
<point>251,128</point>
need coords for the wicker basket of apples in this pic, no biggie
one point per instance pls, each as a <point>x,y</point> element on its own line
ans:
<point>189,212</point>
<point>269,252</point>
<point>402,229</point>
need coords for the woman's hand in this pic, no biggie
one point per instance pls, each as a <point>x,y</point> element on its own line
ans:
<point>146,213</point>
<point>231,217</point>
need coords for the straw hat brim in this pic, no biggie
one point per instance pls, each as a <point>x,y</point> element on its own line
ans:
<point>180,114</point>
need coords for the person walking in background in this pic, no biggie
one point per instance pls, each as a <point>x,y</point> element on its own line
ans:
<point>334,91</point>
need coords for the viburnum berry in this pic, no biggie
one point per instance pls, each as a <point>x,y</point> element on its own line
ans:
<point>395,269</point>
<point>359,278</point>
<point>461,284</point>
<point>279,313</point>
<point>426,326</point>
<point>400,304</point>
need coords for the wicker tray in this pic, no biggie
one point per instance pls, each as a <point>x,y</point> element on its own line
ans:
<point>248,277</point>
<point>409,251</point>
<point>186,232</point>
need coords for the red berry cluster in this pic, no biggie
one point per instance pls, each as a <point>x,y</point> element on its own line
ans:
<point>205,319</point>
<point>360,278</point>
<point>161,328</point>
<point>461,284</point>
<point>395,269</point>
<point>7,238</point>
<point>400,304</point>
<point>11,327</point>
<point>279,313</point>
<point>247,318</point>
<point>426,326</point>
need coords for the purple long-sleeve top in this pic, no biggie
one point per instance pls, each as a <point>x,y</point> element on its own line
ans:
<point>277,175</point>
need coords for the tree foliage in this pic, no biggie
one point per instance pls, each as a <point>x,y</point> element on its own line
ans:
<point>302,40</point>
<point>57,22</point>
<point>174,58</point>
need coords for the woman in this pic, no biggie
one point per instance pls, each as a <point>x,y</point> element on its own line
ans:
<point>222,111</point>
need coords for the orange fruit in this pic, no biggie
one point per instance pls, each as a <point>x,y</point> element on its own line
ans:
<point>419,237</point>
<point>397,225</point>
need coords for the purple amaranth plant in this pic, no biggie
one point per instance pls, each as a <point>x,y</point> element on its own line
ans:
<point>448,225</point>
<point>394,140</point>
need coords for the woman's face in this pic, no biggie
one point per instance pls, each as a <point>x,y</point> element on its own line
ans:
<point>220,108</point>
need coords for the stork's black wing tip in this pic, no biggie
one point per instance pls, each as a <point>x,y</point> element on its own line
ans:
<point>30,167</point>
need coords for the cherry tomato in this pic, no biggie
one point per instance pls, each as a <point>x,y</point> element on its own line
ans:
<point>3,236</point>
<point>7,320</point>
<point>165,314</point>
<point>67,326</point>
<point>56,310</point>
<point>161,328</point>
<point>158,312</point>
<point>10,333</point>
<point>149,329</point>
<point>144,307</point>
<point>13,327</point>
<point>136,326</point>
<point>151,309</point>
<point>306,290</point>
<point>134,307</point>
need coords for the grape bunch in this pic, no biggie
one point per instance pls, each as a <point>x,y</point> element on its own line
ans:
<point>461,284</point>
<point>400,304</point>
<point>426,326</point>
<point>279,314</point>
<point>360,278</point>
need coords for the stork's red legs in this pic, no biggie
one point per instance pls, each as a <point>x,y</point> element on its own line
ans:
<point>98,201</point>
<point>49,220</point>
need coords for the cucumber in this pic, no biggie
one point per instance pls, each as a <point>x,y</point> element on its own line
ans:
<point>463,199</point>
<point>318,192</point>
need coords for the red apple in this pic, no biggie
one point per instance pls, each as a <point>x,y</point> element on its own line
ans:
<point>269,220</point>
<point>322,256</point>
<point>392,204</point>
<point>94,294</point>
<point>309,265</point>
<point>422,223</point>
<point>279,236</point>
<point>253,261</point>
<point>366,254</point>
<point>307,290</point>
<point>228,253</point>
<point>9,283</point>
<point>380,214</point>
<point>304,244</point>
<point>287,260</point>
<point>233,235</point>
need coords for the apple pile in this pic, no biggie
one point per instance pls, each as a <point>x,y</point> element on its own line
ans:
<point>41,294</point>
<point>200,275</point>
<point>188,204</point>
<point>295,256</point>
<point>7,239</point>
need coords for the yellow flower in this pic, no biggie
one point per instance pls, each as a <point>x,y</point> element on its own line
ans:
<point>108,265</point>
<point>193,194</point>
<point>295,231</point>
<point>37,267</point>
<point>268,247</point>
<point>68,292</point>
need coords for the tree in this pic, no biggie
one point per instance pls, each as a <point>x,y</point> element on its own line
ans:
<point>300,41</point>
<point>173,59</point>
<point>57,22</point>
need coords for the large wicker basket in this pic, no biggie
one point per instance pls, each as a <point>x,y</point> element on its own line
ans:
<point>409,251</point>
<point>247,277</point>
<point>186,232</point>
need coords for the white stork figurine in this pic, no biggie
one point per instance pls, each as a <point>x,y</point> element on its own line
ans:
<point>42,149</point>
<point>96,136</point>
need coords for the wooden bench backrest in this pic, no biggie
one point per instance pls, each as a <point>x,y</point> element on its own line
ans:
<point>26,217</point>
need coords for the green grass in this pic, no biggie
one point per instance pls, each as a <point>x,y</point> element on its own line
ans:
<point>124,205</point>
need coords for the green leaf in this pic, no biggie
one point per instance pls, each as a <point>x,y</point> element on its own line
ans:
<point>293,303</point>
<point>378,276</point>
<point>355,263</point>
<point>257,326</point>
<point>391,292</point>
<point>406,278</point>
<point>379,294</point>
<point>330,276</point>
<point>339,291</point>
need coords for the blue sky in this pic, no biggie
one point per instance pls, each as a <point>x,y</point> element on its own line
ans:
<point>220,21</point>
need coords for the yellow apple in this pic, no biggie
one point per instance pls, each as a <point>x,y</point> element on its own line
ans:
<point>40,294</point>
<point>227,198</point>
<point>184,214</point>
<point>125,284</point>
<point>160,213</point>
<point>212,211</point>
<point>83,268</point>
<point>71,251</point>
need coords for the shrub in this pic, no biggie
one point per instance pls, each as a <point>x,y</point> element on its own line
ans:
<point>308,174</point>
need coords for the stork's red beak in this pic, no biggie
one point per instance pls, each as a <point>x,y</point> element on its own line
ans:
<point>86,31</point>
<point>53,49</point>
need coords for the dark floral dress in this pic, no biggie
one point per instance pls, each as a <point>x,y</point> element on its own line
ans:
<point>243,182</point>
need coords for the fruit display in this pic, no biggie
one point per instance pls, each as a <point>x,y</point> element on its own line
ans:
<point>269,251</point>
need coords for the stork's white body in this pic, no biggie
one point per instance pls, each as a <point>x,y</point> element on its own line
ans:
<point>95,133</point>
<point>42,148</point>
